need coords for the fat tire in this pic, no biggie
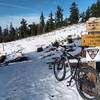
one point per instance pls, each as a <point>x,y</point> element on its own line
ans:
<point>56,65</point>
<point>89,69</point>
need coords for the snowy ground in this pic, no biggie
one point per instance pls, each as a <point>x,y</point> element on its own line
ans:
<point>33,80</point>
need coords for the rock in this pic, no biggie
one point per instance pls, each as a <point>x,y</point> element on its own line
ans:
<point>40,49</point>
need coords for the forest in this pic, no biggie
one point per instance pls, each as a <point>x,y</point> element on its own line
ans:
<point>55,21</point>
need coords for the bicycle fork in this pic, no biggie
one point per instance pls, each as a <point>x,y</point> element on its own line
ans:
<point>73,74</point>
<point>70,81</point>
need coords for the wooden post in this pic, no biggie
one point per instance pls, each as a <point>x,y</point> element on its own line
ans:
<point>92,76</point>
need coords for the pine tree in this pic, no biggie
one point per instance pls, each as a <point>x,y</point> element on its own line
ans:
<point>98,8</point>
<point>47,26</point>
<point>42,23</point>
<point>33,29</point>
<point>74,14</point>
<point>23,29</point>
<point>12,32</point>
<point>87,14</point>
<point>6,34</point>
<point>66,21</point>
<point>39,29</point>
<point>16,33</point>
<point>0,34</point>
<point>82,17</point>
<point>0,31</point>
<point>59,17</point>
<point>6,31</point>
<point>95,9</point>
<point>51,24</point>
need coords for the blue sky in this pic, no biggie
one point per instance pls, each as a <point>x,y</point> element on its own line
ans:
<point>14,10</point>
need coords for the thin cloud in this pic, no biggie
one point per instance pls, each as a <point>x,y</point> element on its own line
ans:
<point>14,6</point>
<point>4,21</point>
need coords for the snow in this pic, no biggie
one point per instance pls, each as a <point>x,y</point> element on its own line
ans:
<point>93,19</point>
<point>32,79</point>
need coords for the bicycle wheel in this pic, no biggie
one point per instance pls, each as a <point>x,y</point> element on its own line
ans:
<point>88,83</point>
<point>59,69</point>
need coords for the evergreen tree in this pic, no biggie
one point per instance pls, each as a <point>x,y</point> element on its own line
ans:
<point>39,29</point>
<point>98,8</point>
<point>59,17</point>
<point>47,26</point>
<point>5,31</point>
<point>66,21</point>
<point>12,32</point>
<point>0,34</point>
<point>23,29</point>
<point>0,31</point>
<point>50,22</point>
<point>16,33</point>
<point>6,34</point>
<point>33,29</point>
<point>87,14</point>
<point>74,14</point>
<point>82,17</point>
<point>42,23</point>
<point>95,9</point>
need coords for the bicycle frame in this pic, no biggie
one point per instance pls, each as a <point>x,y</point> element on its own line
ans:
<point>65,55</point>
<point>73,74</point>
<point>81,75</point>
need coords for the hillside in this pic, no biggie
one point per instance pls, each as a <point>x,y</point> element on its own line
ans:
<point>30,44</point>
<point>32,79</point>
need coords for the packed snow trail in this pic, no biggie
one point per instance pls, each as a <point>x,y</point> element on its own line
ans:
<point>32,80</point>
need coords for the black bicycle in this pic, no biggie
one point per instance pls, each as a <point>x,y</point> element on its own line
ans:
<point>86,77</point>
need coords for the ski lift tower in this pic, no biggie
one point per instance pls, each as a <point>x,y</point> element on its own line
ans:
<point>92,40</point>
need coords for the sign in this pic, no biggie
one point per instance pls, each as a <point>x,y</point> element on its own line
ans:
<point>92,52</point>
<point>90,40</point>
<point>93,25</point>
